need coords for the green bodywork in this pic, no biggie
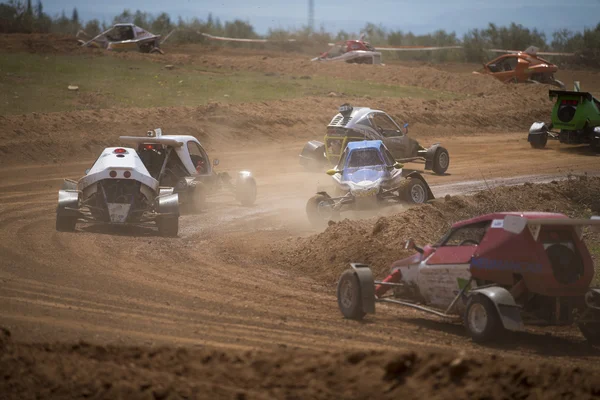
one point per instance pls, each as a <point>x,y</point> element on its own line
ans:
<point>587,114</point>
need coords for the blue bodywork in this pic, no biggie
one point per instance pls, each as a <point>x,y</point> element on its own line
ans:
<point>364,161</point>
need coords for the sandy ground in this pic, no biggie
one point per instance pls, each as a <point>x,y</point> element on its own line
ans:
<point>132,288</point>
<point>113,286</point>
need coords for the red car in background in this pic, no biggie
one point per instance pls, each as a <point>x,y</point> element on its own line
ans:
<point>522,67</point>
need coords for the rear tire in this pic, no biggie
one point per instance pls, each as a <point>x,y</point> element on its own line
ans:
<point>168,226</point>
<point>349,296</point>
<point>246,192</point>
<point>538,141</point>
<point>65,223</point>
<point>315,210</point>
<point>413,191</point>
<point>591,332</point>
<point>441,161</point>
<point>595,145</point>
<point>198,198</point>
<point>482,320</point>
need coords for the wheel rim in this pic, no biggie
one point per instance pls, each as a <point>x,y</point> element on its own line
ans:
<point>417,193</point>
<point>443,160</point>
<point>478,318</point>
<point>347,294</point>
<point>324,209</point>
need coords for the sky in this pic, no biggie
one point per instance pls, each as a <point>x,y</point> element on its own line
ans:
<point>420,17</point>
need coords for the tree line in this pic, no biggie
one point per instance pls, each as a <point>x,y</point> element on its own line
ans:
<point>20,16</point>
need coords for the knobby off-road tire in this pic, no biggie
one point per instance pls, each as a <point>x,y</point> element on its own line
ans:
<point>314,207</point>
<point>168,226</point>
<point>413,191</point>
<point>441,161</point>
<point>197,201</point>
<point>591,332</point>
<point>539,141</point>
<point>482,320</point>
<point>65,223</point>
<point>595,146</point>
<point>349,296</point>
<point>246,192</point>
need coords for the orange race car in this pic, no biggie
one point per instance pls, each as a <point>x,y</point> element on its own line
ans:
<point>522,67</point>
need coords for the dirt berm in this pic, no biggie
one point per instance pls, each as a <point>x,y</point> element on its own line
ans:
<point>82,370</point>
<point>380,241</point>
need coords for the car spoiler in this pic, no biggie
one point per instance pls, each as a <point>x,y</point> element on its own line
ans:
<point>556,93</point>
<point>516,224</point>
<point>144,139</point>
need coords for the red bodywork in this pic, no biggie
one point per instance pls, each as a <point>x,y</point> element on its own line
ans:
<point>506,258</point>
<point>522,67</point>
<point>349,45</point>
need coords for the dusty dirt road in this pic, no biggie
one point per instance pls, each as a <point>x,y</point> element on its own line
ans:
<point>132,287</point>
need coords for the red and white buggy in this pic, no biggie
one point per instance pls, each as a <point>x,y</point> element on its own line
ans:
<point>495,272</point>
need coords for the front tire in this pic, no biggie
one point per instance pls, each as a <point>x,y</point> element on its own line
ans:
<point>349,296</point>
<point>65,223</point>
<point>198,198</point>
<point>168,226</point>
<point>441,161</point>
<point>413,191</point>
<point>595,145</point>
<point>482,320</point>
<point>538,141</point>
<point>246,192</point>
<point>319,210</point>
<point>591,332</point>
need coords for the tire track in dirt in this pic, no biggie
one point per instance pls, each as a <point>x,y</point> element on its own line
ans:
<point>135,287</point>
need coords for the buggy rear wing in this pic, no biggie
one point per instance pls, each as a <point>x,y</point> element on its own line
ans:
<point>556,93</point>
<point>144,139</point>
<point>516,224</point>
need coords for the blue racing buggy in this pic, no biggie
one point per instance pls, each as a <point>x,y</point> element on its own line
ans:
<point>366,177</point>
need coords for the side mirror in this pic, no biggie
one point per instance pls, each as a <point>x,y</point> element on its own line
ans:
<point>405,127</point>
<point>332,172</point>
<point>410,245</point>
<point>216,162</point>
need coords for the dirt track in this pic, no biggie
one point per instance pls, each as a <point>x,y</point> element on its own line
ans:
<point>133,288</point>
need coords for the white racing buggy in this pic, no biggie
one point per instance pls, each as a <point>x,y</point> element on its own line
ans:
<point>180,161</point>
<point>118,190</point>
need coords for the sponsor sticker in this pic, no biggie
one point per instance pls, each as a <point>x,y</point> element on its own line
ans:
<point>498,223</point>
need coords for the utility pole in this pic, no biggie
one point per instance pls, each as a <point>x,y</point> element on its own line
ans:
<point>311,15</point>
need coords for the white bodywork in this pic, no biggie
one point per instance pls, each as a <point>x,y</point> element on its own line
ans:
<point>438,284</point>
<point>120,160</point>
<point>178,142</point>
<point>109,160</point>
